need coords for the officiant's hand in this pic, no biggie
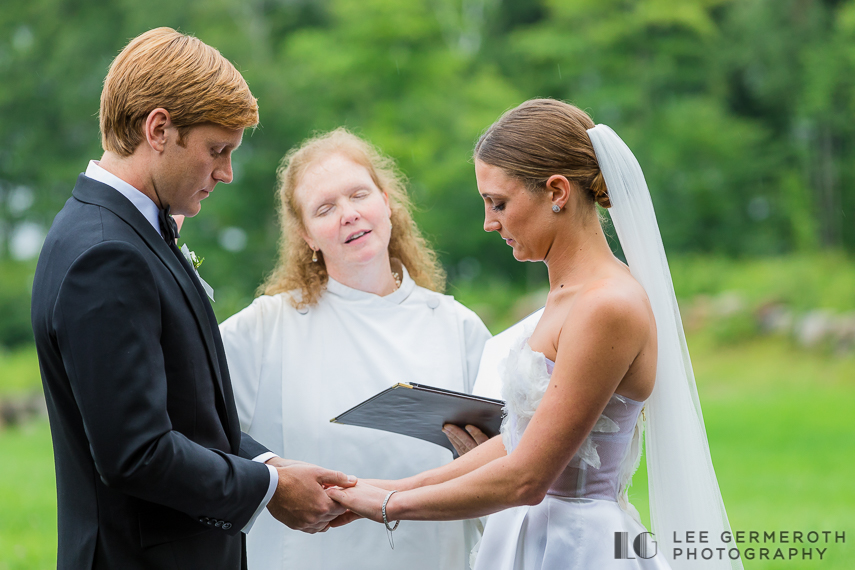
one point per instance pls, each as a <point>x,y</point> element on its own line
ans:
<point>464,440</point>
<point>300,502</point>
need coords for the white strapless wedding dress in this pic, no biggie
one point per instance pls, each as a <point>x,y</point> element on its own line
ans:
<point>579,523</point>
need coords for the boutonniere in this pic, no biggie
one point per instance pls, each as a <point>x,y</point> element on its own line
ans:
<point>196,261</point>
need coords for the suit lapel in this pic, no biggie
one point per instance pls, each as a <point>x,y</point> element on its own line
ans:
<point>94,192</point>
<point>216,346</point>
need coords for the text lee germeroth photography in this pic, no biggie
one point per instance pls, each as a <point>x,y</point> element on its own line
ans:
<point>748,545</point>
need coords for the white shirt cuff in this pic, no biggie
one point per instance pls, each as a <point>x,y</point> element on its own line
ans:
<point>271,488</point>
<point>264,457</point>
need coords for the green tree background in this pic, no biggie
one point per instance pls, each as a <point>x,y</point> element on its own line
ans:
<point>739,112</point>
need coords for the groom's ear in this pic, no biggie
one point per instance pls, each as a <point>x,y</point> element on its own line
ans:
<point>155,129</point>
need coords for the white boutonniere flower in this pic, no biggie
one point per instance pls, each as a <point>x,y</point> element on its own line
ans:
<point>196,261</point>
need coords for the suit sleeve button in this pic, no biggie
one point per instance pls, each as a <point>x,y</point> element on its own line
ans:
<point>227,525</point>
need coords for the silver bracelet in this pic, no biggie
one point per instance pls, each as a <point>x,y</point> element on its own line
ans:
<point>386,521</point>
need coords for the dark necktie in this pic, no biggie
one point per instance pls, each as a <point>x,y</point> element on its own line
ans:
<point>168,227</point>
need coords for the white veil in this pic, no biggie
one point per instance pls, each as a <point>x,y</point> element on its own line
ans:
<point>684,493</point>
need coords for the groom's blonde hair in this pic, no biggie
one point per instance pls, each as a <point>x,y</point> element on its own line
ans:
<point>182,74</point>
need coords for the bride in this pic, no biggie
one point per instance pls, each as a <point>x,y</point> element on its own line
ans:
<point>607,354</point>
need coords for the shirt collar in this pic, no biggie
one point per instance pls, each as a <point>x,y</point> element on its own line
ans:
<point>142,202</point>
<point>396,297</point>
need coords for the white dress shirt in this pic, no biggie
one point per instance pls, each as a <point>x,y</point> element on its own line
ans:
<point>143,203</point>
<point>150,211</point>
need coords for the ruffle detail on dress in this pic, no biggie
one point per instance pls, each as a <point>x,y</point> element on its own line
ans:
<point>524,381</point>
<point>525,378</point>
<point>588,450</point>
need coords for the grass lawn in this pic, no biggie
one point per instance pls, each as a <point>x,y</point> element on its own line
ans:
<point>782,436</point>
<point>780,423</point>
<point>27,498</point>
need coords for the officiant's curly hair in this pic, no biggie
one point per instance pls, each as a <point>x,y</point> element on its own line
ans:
<point>180,73</point>
<point>295,270</point>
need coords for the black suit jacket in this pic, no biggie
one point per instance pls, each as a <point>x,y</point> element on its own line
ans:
<point>152,468</point>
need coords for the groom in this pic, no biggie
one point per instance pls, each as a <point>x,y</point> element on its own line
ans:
<point>152,468</point>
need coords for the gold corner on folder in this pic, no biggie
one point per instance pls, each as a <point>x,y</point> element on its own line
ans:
<point>333,421</point>
<point>401,385</point>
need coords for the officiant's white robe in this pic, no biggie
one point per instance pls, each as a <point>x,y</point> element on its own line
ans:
<point>292,371</point>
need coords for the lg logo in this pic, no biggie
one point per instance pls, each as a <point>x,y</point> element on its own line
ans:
<point>643,546</point>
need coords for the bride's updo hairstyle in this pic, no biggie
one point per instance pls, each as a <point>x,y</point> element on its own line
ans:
<point>541,138</point>
<point>295,270</point>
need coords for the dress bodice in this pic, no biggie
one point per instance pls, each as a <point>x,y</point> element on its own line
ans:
<point>603,465</point>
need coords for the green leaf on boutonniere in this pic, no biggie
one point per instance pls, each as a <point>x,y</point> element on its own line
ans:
<point>191,257</point>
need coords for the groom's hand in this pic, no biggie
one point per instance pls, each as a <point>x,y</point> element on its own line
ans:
<point>300,502</point>
<point>347,518</point>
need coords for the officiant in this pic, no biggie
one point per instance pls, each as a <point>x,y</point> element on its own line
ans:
<point>353,307</point>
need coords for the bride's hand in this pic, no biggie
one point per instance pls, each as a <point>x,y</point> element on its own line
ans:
<point>365,500</point>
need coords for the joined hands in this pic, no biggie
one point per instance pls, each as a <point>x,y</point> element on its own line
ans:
<point>300,501</point>
<point>313,499</point>
<point>363,500</point>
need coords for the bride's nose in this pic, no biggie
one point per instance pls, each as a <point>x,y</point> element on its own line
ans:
<point>491,225</point>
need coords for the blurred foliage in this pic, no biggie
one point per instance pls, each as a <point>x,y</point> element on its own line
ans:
<point>798,282</point>
<point>801,281</point>
<point>19,372</point>
<point>739,111</point>
<point>16,281</point>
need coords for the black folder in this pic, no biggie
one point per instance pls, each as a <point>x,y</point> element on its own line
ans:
<point>420,411</point>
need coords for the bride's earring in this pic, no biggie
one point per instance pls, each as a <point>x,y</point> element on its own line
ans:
<point>556,208</point>
<point>314,255</point>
